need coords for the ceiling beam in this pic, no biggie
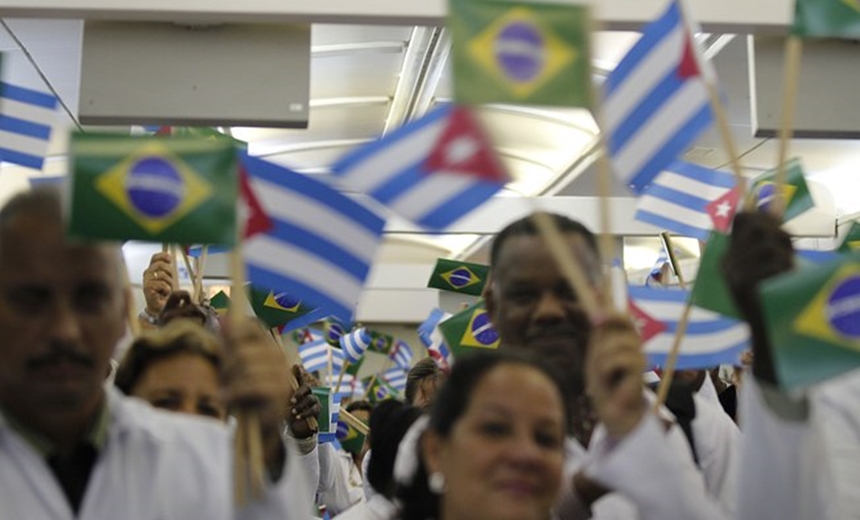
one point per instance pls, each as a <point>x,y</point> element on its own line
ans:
<point>729,16</point>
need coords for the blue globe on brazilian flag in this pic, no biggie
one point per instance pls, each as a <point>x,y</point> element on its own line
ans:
<point>531,53</point>
<point>158,189</point>
<point>813,320</point>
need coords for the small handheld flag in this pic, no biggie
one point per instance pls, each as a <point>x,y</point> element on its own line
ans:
<point>656,102</point>
<point>354,344</point>
<point>27,119</point>
<point>159,189</point>
<point>432,170</point>
<point>458,276</point>
<point>470,329</point>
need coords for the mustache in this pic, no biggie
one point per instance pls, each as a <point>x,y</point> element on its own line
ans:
<point>59,353</point>
<point>579,330</point>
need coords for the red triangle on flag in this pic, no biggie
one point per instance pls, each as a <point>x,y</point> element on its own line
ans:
<point>722,210</point>
<point>464,149</point>
<point>647,326</point>
<point>689,66</point>
<point>253,217</point>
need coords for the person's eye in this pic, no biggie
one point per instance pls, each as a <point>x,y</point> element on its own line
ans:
<point>521,295</point>
<point>548,439</point>
<point>167,403</point>
<point>209,410</point>
<point>28,300</point>
<point>494,428</point>
<point>93,297</point>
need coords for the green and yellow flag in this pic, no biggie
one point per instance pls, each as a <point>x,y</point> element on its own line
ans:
<point>380,342</point>
<point>852,239</point>
<point>796,192</point>
<point>827,18</point>
<point>380,390</point>
<point>220,303</point>
<point>158,189</point>
<point>529,53</point>
<point>813,320</point>
<point>276,309</point>
<point>457,276</point>
<point>351,440</point>
<point>710,290</point>
<point>469,329</point>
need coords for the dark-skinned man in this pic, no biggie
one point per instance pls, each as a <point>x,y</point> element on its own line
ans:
<point>532,306</point>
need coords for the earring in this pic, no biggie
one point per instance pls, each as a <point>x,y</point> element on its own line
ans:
<point>436,482</point>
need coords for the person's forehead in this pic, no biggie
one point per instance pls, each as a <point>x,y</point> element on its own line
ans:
<point>521,252</point>
<point>31,246</point>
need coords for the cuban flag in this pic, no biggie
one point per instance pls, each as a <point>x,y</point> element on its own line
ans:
<point>321,244</point>
<point>711,339</point>
<point>655,101</point>
<point>318,355</point>
<point>432,170</point>
<point>396,377</point>
<point>27,118</point>
<point>402,354</point>
<point>690,200</point>
<point>355,344</point>
<point>433,339</point>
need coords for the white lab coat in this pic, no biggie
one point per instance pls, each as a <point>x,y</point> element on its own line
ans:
<point>340,485</point>
<point>626,468</point>
<point>375,508</point>
<point>155,465</point>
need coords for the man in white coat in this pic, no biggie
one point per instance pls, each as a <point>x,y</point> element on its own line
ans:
<point>69,448</point>
<point>532,306</point>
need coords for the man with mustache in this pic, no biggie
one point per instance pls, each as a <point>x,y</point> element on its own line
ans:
<point>533,307</point>
<point>69,448</point>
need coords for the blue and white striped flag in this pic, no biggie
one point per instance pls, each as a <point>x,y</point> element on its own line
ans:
<point>354,344</point>
<point>656,103</point>
<point>432,170</point>
<point>396,377</point>
<point>402,354</point>
<point>711,339</point>
<point>27,118</point>
<point>349,386</point>
<point>433,339</point>
<point>315,357</point>
<point>689,200</point>
<point>322,243</point>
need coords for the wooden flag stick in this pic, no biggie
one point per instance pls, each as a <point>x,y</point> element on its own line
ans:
<point>246,457</point>
<point>354,421</point>
<point>292,360</point>
<point>201,268</point>
<point>671,361</point>
<point>791,72</point>
<point>175,267</point>
<point>340,377</point>
<point>570,268</point>
<point>673,260</point>
<point>709,81</point>
<point>133,323</point>
<point>192,274</point>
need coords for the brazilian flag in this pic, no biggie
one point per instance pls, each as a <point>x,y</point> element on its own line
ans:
<point>158,189</point>
<point>813,320</point>
<point>333,329</point>
<point>852,239</point>
<point>457,276</point>
<point>380,342</point>
<point>827,18</point>
<point>220,302</point>
<point>351,440</point>
<point>276,308</point>
<point>470,329</point>
<point>380,390</point>
<point>533,53</point>
<point>795,191</point>
<point>710,290</point>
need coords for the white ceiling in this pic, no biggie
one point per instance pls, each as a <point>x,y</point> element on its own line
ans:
<point>366,80</point>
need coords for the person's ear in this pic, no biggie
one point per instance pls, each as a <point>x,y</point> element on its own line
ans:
<point>488,294</point>
<point>431,451</point>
